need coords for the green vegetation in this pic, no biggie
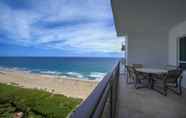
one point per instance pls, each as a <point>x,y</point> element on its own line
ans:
<point>34,103</point>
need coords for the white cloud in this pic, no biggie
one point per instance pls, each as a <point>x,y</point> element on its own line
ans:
<point>95,35</point>
<point>17,22</point>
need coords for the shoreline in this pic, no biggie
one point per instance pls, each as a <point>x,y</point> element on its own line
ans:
<point>54,74</point>
<point>68,86</point>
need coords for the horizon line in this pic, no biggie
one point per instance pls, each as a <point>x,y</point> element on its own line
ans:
<point>70,56</point>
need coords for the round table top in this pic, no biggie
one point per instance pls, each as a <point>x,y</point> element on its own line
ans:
<point>152,70</point>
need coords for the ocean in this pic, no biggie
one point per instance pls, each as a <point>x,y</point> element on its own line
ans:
<point>81,67</point>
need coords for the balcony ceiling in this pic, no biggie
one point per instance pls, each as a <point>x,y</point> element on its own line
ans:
<point>132,16</point>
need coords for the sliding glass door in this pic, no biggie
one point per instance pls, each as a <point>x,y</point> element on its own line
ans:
<point>182,53</point>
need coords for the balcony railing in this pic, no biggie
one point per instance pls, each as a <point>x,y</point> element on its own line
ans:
<point>102,102</point>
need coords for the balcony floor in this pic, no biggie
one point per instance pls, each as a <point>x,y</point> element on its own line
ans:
<point>146,103</point>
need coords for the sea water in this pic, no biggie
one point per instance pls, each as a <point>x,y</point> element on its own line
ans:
<point>80,67</point>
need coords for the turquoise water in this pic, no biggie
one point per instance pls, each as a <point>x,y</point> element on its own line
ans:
<point>81,67</point>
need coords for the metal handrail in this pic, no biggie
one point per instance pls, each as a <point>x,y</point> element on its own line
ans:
<point>94,105</point>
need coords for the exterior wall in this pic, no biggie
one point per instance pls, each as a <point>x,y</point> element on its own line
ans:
<point>148,48</point>
<point>175,33</point>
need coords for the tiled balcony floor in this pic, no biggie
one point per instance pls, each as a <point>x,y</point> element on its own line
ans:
<point>146,103</point>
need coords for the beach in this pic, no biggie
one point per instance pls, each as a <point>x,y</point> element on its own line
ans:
<point>68,86</point>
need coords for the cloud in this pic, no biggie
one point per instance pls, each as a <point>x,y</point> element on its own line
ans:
<point>85,26</point>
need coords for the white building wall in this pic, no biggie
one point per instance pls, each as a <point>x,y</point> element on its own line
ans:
<point>175,33</point>
<point>148,48</point>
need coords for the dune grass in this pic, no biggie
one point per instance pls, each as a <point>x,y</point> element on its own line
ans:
<point>34,103</point>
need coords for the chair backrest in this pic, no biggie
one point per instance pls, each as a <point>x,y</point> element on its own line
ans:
<point>131,71</point>
<point>137,65</point>
<point>173,75</point>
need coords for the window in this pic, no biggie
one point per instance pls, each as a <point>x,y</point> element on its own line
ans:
<point>182,52</point>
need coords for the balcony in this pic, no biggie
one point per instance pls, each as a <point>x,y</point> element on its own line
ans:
<point>147,103</point>
<point>114,98</point>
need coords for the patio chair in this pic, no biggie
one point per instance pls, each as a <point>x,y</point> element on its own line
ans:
<point>170,81</point>
<point>141,79</point>
<point>130,76</point>
<point>137,78</point>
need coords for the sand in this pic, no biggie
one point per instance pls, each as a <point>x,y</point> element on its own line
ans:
<point>71,87</point>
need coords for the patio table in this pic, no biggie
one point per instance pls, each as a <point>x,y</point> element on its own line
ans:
<point>150,72</point>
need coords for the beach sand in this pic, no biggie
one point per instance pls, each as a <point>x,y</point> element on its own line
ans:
<point>71,87</point>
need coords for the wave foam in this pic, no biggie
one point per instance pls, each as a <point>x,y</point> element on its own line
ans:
<point>74,74</point>
<point>14,69</point>
<point>50,72</point>
<point>91,76</point>
<point>97,75</point>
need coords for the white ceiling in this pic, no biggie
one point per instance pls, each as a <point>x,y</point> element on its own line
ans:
<point>147,15</point>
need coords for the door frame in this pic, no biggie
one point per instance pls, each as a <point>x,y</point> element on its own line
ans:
<point>178,50</point>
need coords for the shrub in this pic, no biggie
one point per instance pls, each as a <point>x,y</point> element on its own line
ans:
<point>34,103</point>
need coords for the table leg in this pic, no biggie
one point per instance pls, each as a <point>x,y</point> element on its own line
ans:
<point>151,83</point>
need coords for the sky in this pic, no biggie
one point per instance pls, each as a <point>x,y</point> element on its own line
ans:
<point>58,28</point>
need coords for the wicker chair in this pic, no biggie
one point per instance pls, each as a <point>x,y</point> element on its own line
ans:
<point>171,81</point>
<point>130,76</point>
<point>136,77</point>
<point>141,79</point>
